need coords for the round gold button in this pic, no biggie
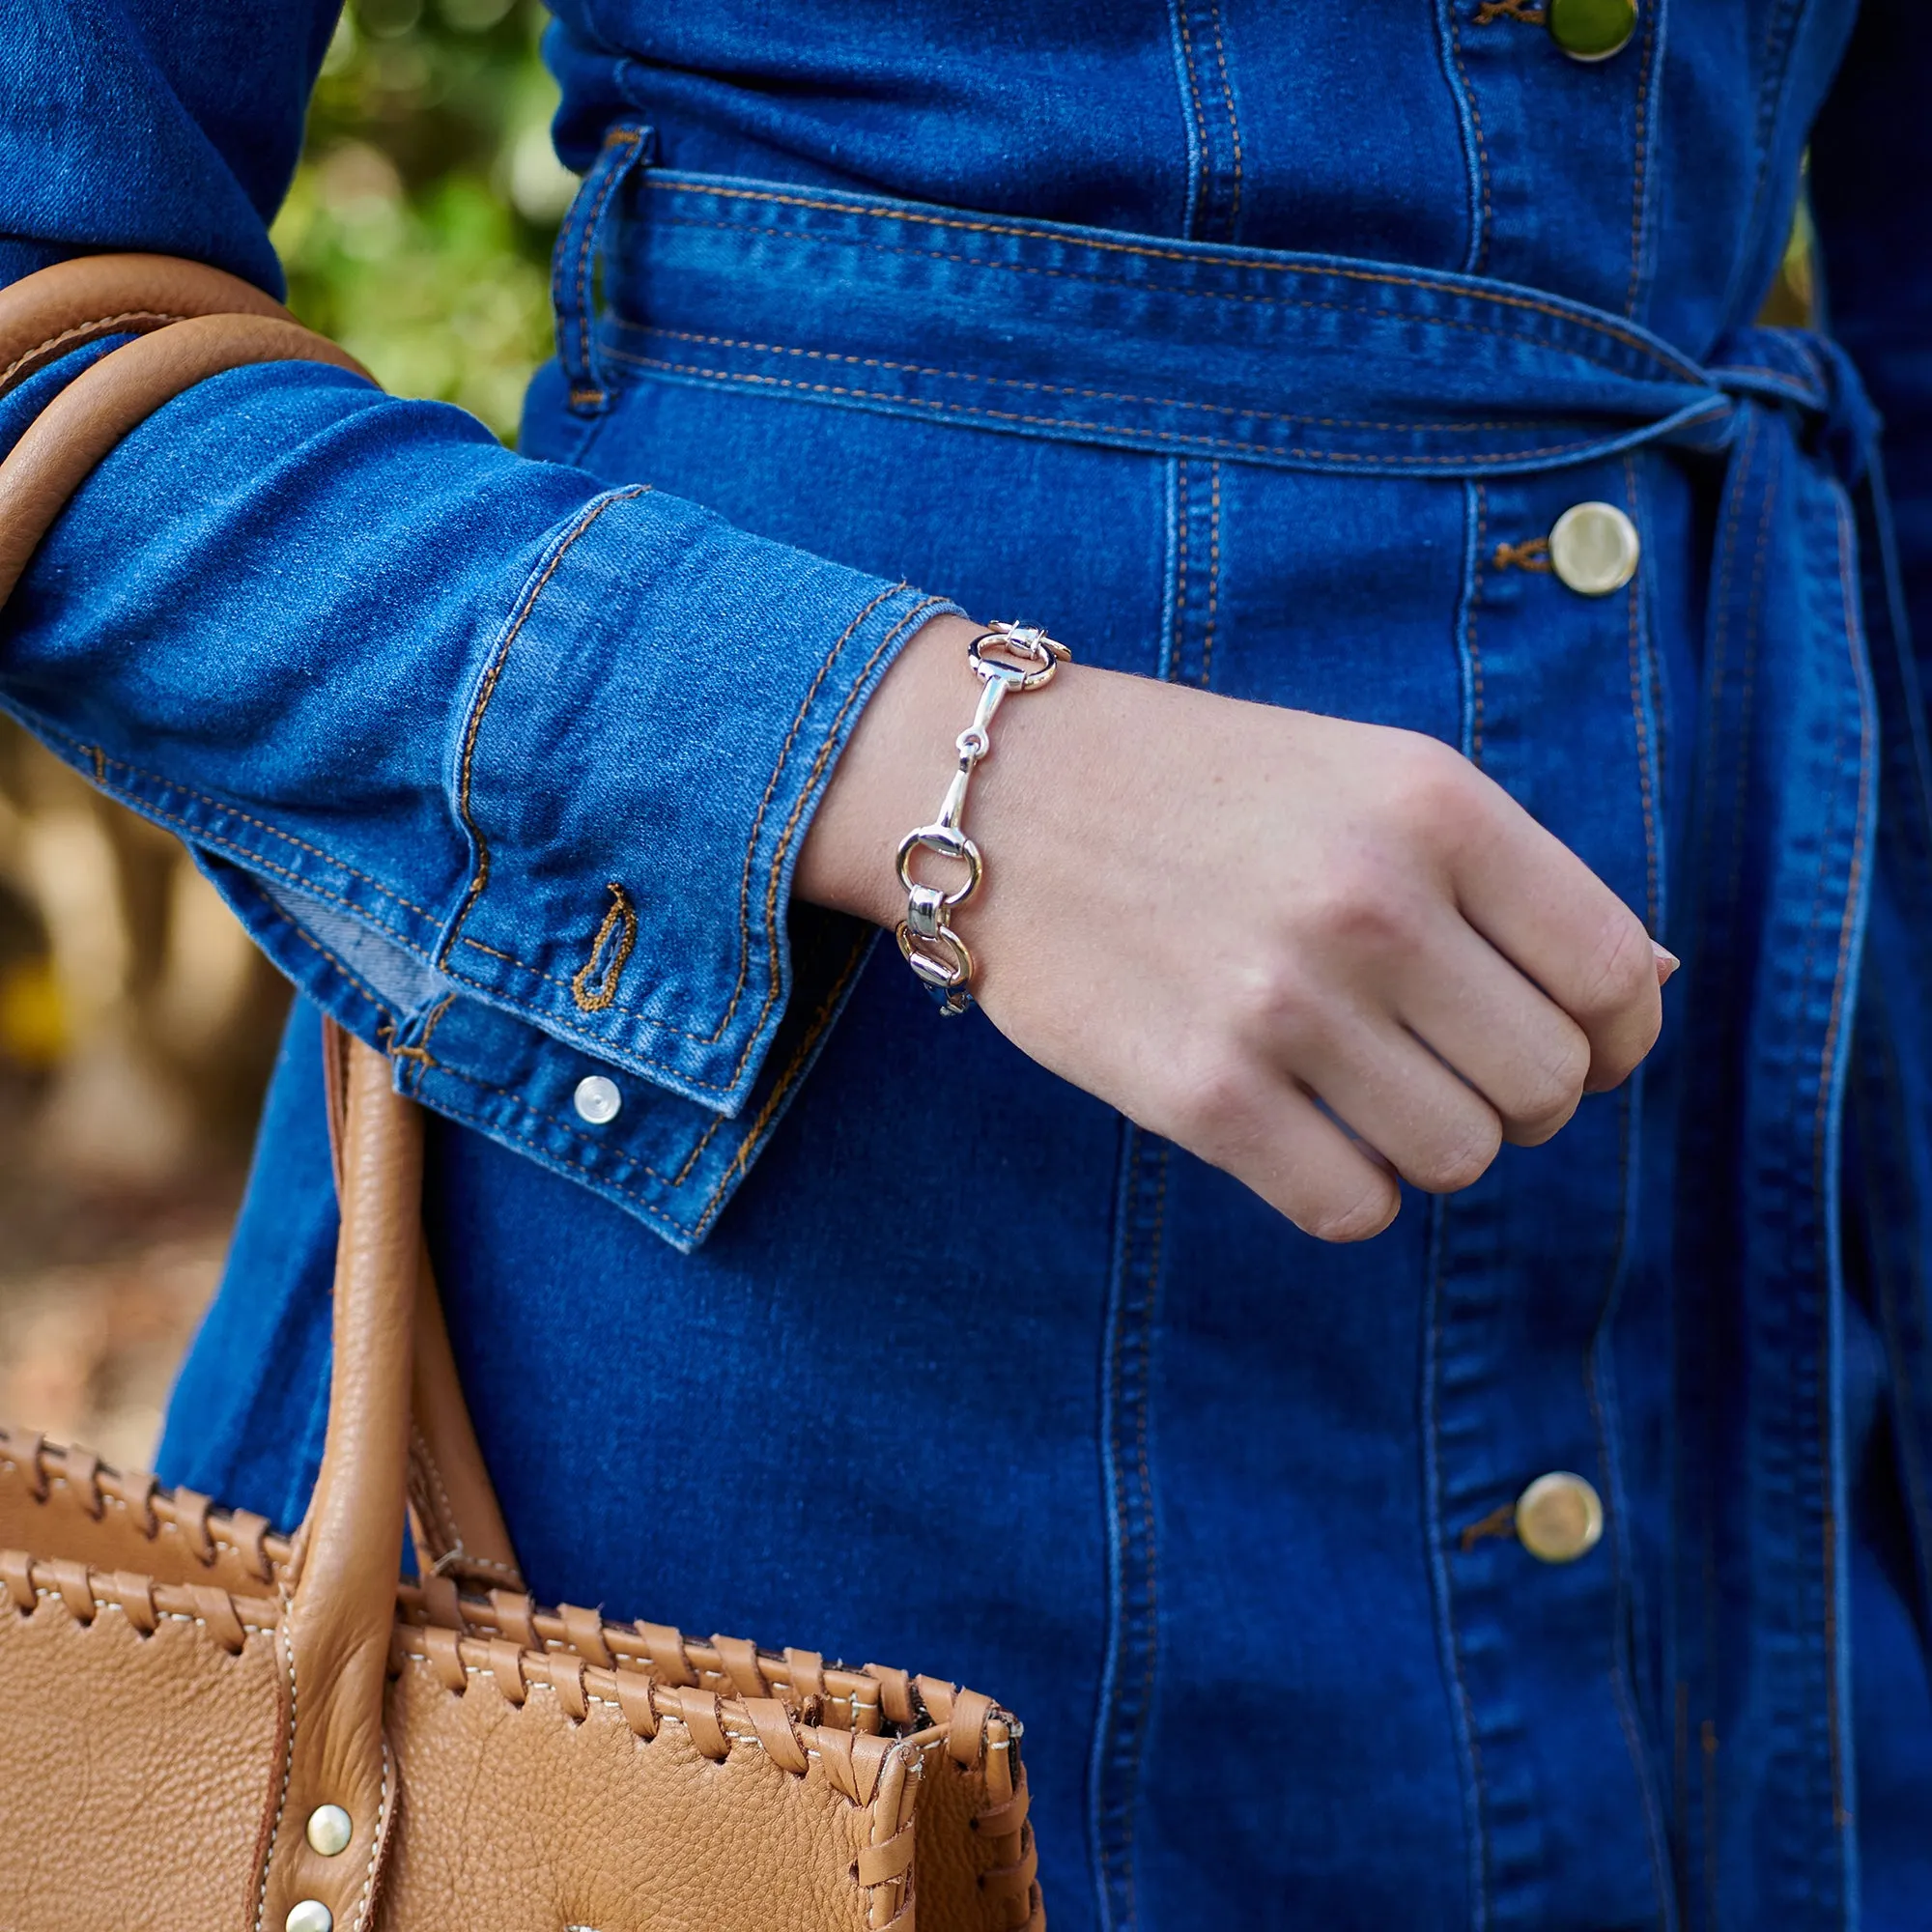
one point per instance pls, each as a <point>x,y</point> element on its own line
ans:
<point>1592,30</point>
<point>1559,1518</point>
<point>1594,548</point>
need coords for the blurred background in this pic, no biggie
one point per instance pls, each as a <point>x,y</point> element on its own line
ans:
<point>138,1025</point>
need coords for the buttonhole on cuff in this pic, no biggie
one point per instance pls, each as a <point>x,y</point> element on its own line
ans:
<point>594,985</point>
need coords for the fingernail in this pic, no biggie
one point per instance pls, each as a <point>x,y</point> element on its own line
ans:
<point>1667,962</point>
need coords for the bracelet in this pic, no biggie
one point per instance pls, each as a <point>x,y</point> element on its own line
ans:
<point>933,950</point>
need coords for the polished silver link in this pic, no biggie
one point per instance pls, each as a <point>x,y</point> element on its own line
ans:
<point>1005,658</point>
<point>923,906</point>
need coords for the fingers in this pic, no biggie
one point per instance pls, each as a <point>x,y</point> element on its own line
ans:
<point>1266,1132</point>
<point>1539,905</point>
<point>1436,1129</point>
<point>1526,1057</point>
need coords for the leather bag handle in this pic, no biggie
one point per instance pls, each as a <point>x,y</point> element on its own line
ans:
<point>192,321</point>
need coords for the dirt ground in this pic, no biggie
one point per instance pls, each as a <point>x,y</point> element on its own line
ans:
<point>99,1291</point>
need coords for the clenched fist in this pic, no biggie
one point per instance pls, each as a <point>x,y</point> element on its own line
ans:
<point>1316,954</point>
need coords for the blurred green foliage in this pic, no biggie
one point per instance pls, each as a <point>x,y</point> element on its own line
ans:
<point>418,229</point>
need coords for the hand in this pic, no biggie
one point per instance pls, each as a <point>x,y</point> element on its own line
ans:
<point>1313,953</point>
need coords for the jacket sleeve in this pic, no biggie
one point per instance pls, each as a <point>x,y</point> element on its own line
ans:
<point>449,727</point>
<point>1870,154</point>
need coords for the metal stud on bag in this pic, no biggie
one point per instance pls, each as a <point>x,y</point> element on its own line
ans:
<point>1027,660</point>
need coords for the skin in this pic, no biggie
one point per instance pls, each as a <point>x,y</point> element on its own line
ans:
<point>1316,954</point>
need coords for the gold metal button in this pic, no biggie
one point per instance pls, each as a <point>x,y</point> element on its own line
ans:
<point>1592,30</point>
<point>309,1915</point>
<point>1594,548</point>
<point>329,1830</point>
<point>1559,1518</point>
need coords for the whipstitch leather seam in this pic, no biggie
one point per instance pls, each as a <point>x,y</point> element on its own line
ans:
<point>911,616</point>
<point>1055,388</point>
<point>79,335</point>
<point>1651,351</point>
<point>1368,459</point>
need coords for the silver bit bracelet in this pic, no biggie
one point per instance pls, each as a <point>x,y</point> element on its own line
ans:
<point>933,950</point>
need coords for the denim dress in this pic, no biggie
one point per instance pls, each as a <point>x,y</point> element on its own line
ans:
<point>1558,1558</point>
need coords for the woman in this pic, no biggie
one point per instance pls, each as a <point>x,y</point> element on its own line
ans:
<point>1549,1551</point>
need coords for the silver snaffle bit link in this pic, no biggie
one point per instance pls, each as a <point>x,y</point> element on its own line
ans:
<point>1028,659</point>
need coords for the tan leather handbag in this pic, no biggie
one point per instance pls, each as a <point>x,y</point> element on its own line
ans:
<point>207,1725</point>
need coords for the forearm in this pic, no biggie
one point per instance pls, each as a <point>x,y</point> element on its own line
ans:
<point>473,724</point>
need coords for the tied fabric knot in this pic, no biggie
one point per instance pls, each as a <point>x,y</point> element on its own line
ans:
<point>1809,378</point>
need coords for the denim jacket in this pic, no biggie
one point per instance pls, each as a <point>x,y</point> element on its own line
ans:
<point>1249,346</point>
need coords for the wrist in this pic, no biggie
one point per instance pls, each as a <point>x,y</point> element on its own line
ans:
<point>891,773</point>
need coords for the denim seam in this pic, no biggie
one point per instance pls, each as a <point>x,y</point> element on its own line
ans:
<point>309,939</point>
<point>1128,1515</point>
<point>753,1138</point>
<point>1213,574</point>
<point>1061,388</point>
<point>421,1050</point>
<point>1717,671</point>
<point>1233,120</point>
<point>1363,457</point>
<point>442,1104</point>
<point>1476,1791</point>
<point>1388,279</point>
<point>1639,171</point>
<point>1199,198</point>
<point>750,854</point>
<point>1179,625</point>
<point>1849,924</point>
<point>805,792</point>
<point>1646,794</point>
<point>494,671</point>
<point>1802,981</point>
<point>593,220</point>
<point>1599,1389</point>
<point>1469,623</point>
<point>1479,253</point>
<point>101,760</point>
<point>430,1063</point>
<point>760,1128</point>
<point>194,833</point>
<point>1748,694</point>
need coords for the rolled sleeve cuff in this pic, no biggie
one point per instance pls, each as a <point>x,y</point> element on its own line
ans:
<point>635,813</point>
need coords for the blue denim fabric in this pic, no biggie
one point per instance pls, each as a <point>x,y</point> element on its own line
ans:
<point>1248,347</point>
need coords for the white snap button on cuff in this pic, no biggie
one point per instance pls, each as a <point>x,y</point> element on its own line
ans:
<point>1559,1518</point>
<point>597,1100</point>
<point>310,1914</point>
<point>1594,548</point>
<point>329,1830</point>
